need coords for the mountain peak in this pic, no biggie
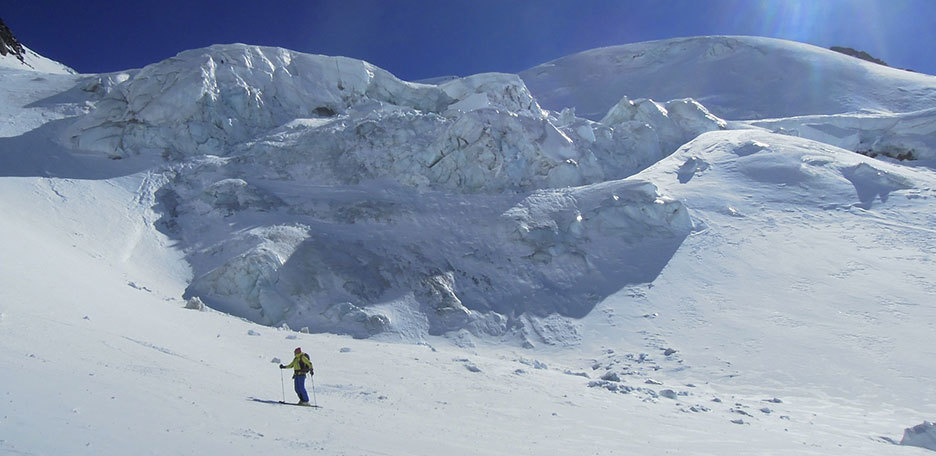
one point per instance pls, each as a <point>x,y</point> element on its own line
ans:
<point>9,44</point>
<point>15,55</point>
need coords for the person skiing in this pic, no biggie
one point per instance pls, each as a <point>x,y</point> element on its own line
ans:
<point>301,365</point>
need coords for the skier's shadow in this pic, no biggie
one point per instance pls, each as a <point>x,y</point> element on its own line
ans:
<point>265,401</point>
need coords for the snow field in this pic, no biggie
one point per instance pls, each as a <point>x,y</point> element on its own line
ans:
<point>111,365</point>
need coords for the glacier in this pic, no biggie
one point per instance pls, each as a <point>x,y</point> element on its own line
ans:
<point>297,184</point>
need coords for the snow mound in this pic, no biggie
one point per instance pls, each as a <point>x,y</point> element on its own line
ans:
<point>871,183</point>
<point>653,130</point>
<point>922,435</point>
<point>492,90</point>
<point>779,169</point>
<point>735,77</point>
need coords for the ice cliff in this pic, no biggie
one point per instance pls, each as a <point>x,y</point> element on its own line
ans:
<point>324,192</point>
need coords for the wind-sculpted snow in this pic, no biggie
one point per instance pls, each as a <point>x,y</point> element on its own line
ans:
<point>736,78</point>
<point>780,169</point>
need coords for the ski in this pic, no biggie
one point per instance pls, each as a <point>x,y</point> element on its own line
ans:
<point>299,405</point>
<point>267,401</point>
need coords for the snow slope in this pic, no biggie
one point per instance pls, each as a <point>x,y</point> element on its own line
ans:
<point>33,62</point>
<point>736,78</point>
<point>105,359</point>
<point>827,251</point>
<point>659,281</point>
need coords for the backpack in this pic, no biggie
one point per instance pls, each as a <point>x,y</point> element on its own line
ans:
<point>305,364</point>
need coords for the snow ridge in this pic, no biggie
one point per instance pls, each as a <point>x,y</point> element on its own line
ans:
<point>735,77</point>
<point>14,55</point>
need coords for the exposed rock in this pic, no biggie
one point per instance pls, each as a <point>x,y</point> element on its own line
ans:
<point>9,44</point>
<point>859,54</point>
<point>195,303</point>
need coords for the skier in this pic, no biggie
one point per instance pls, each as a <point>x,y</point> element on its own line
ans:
<point>301,365</point>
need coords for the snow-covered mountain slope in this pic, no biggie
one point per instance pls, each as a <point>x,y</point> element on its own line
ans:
<point>815,261</point>
<point>658,281</point>
<point>736,78</point>
<point>14,55</point>
<point>33,62</point>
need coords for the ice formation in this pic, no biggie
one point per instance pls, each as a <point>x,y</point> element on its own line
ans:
<point>275,156</point>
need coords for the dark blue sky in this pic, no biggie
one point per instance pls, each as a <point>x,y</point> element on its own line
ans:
<point>417,39</point>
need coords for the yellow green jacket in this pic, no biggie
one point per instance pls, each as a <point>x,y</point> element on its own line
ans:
<point>301,364</point>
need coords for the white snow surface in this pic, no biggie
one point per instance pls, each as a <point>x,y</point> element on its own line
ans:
<point>735,77</point>
<point>479,275</point>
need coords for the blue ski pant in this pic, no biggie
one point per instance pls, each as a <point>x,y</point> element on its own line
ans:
<point>299,380</point>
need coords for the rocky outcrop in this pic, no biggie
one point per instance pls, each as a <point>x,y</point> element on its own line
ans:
<point>859,54</point>
<point>9,44</point>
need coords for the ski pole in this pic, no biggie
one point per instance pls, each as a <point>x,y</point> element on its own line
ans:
<point>283,385</point>
<point>314,399</point>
